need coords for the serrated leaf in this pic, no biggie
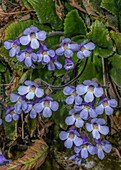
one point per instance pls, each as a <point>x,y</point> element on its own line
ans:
<point>110,5</point>
<point>74,24</point>
<point>98,35</point>
<point>96,6</point>
<point>117,39</point>
<point>46,13</point>
<point>115,70</point>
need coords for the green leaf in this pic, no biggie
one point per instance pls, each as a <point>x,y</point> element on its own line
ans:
<point>46,13</point>
<point>74,24</point>
<point>115,70</point>
<point>98,35</point>
<point>92,70</point>
<point>110,5</point>
<point>60,115</point>
<point>117,39</point>
<point>2,67</point>
<point>96,6</point>
<point>27,4</point>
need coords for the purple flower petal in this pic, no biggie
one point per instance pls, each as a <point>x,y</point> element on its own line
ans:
<point>89,46</point>
<point>47,112</point>
<point>20,57</point>
<point>89,127</point>
<point>86,53</point>
<point>46,59</point>
<point>30,30</point>
<point>39,92</point>
<point>72,157</point>
<point>103,129</point>
<point>51,66</point>
<point>78,100</point>
<point>68,143</point>
<point>89,97</point>
<point>24,105</point>
<point>41,35</point>
<point>23,90</point>
<point>8,44</point>
<point>66,41</point>
<point>108,110</point>
<point>17,106</point>
<point>101,121</point>
<point>28,61</point>
<point>78,141</point>
<point>89,83</point>
<point>78,108</point>
<point>34,57</point>
<point>8,118</point>
<point>91,149</point>
<point>112,103</point>
<point>107,148</point>
<point>78,160</point>
<point>34,43</point>
<point>54,105</point>
<point>95,134</point>
<point>38,107</point>
<point>92,113</point>
<point>84,114</point>
<point>79,123</point>
<point>58,65</point>
<point>12,52</point>
<point>84,153</point>
<point>70,120</point>
<point>63,135</point>
<point>99,109</point>
<point>17,50</point>
<point>68,90</point>
<point>81,89</point>
<point>77,149</point>
<point>24,40</point>
<point>68,53</point>
<point>0,121</point>
<point>100,154</point>
<point>70,99</point>
<point>30,95</point>
<point>51,53</point>
<point>60,51</point>
<point>98,92</point>
<point>15,117</point>
<point>80,55</point>
<point>14,97</point>
<point>28,108</point>
<point>33,114</point>
<point>73,47</point>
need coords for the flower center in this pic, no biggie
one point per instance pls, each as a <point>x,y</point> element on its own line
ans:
<point>105,104</point>
<point>14,46</point>
<point>100,146</point>
<point>27,55</point>
<point>91,89</point>
<point>74,93</point>
<point>95,127</point>
<point>52,60</point>
<point>71,136</point>
<point>82,49</point>
<point>46,104</point>
<point>20,100</point>
<point>32,36</point>
<point>32,90</point>
<point>12,112</point>
<point>44,53</point>
<point>86,107</point>
<point>84,146</point>
<point>65,47</point>
<point>77,116</point>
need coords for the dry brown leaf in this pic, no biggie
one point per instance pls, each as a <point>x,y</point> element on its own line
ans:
<point>88,7</point>
<point>77,5</point>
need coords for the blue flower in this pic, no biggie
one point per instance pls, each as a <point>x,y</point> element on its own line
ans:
<point>11,114</point>
<point>71,136</point>
<point>102,146</point>
<point>84,49</point>
<point>53,62</point>
<point>67,48</point>
<point>30,90</point>
<point>68,64</point>
<point>46,106</point>
<point>106,104</point>
<point>27,56</point>
<point>91,89</point>
<point>73,96</point>
<point>3,160</point>
<point>33,36</point>
<point>96,126</point>
<point>14,46</point>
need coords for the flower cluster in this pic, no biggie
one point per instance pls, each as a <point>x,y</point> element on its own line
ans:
<point>34,39</point>
<point>30,99</point>
<point>84,115</point>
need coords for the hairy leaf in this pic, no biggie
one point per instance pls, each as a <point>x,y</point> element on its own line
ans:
<point>98,35</point>
<point>27,4</point>
<point>110,5</point>
<point>96,6</point>
<point>115,70</point>
<point>45,10</point>
<point>74,24</point>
